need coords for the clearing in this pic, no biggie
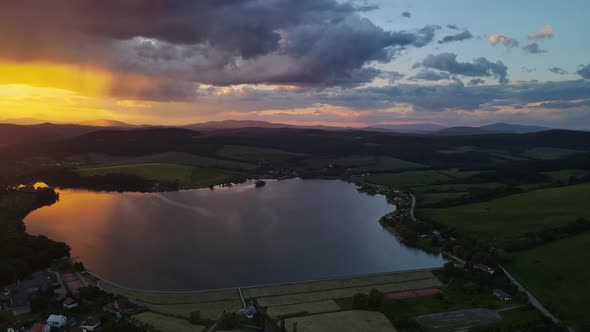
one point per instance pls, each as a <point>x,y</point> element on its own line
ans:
<point>343,321</point>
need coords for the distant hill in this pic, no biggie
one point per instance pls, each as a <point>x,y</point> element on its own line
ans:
<point>104,123</point>
<point>11,134</point>
<point>512,128</point>
<point>234,124</point>
<point>463,131</point>
<point>495,128</point>
<point>409,128</point>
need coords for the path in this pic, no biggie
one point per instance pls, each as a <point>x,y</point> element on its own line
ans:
<point>532,299</point>
<point>413,206</point>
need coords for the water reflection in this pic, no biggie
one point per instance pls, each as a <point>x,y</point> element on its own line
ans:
<point>201,239</point>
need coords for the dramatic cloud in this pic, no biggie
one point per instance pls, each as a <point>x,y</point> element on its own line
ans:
<point>545,32</point>
<point>391,76</point>
<point>533,48</point>
<point>503,40</point>
<point>584,72</point>
<point>480,67</point>
<point>476,81</point>
<point>407,14</point>
<point>221,42</point>
<point>558,71</point>
<point>429,75</point>
<point>457,37</point>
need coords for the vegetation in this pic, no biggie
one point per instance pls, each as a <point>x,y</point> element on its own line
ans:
<point>166,323</point>
<point>20,253</point>
<point>252,153</point>
<point>559,264</point>
<point>515,215</point>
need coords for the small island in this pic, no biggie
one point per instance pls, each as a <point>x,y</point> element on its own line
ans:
<point>260,183</point>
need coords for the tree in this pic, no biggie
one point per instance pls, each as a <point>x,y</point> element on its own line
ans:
<point>195,317</point>
<point>360,301</point>
<point>375,298</point>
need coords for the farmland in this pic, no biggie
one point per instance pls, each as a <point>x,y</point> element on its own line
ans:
<point>560,265</point>
<point>183,174</point>
<point>166,323</point>
<point>254,154</point>
<point>517,214</point>
<point>341,321</point>
<point>417,178</point>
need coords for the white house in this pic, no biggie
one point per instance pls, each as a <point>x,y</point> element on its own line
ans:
<point>57,321</point>
<point>70,303</point>
<point>90,324</point>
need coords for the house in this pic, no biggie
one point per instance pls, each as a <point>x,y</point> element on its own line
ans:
<point>502,295</point>
<point>40,327</point>
<point>70,303</point>
<point>91,324</point>
<point>250,310</point>
<point>484,268</point>
<point>19,293</point>
<point>57,321</point>
<point>125,305</point>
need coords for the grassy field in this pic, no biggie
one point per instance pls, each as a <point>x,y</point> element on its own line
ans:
<point>178,158</point>
<point>187,176</point>
<point>515,215</point>
<point>417,178</point>
<point>566,174</point>
<point>343,321</point>
<point>167,324</point>
<point>548,153</point>
<point>300,308</point>
<point>431,198</point>
<point>255,154</point>
<point>363,163</point>
<point>557,275</point>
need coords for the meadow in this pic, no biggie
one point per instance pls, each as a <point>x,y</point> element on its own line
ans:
<point>255,154</point>
<point>186,176</point>
<point>514,215</point>
<point>557,275</point>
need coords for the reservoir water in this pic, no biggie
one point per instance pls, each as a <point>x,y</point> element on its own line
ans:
<point>285,231</point>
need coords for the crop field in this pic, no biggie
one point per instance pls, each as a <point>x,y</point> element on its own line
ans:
<point>456,187</point>
<point>167,324</point>
<point>417,178</point>
<point>302,308</point>
<point>557,274</point>
<point>209,310</point>
<point>341,288</point>
<point>185,175</point>
<point>178,158</point>
<point>255,154</point>
<point>548,153</point>
<point>437,197</point>
<point>515,215</point>
<point>343,321</point>
<point>363,163</point>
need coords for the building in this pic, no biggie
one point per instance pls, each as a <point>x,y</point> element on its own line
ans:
<point>90,325</point>
<point>20,293</point>
<point>502,295</point>
<point>70,303</point>
<point>39,327</point>
<point>57,321</point>
<point>13,327</point>
<point>484,268</point>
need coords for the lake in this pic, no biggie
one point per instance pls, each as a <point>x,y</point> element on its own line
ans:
<point>288,230</point>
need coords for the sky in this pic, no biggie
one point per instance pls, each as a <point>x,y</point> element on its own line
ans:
<point>328,62</point>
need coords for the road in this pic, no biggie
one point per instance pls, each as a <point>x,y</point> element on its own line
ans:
<point>413,206</point>
<point>532,299</point>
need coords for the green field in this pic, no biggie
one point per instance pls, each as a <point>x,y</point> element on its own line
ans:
<point>177,158</point>
<point>557,275</point>
<point>514,215</point>
<point>167,324</point>
<point>566,174</point>
<point>432,198</point>
<point>255,154</point>
<point>417,178</point>
<point>362,163</point>
<point>187,176</point>
<point>548,153</point>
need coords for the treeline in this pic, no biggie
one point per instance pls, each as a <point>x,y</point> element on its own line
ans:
<point>20,253</point>
<point>535,239</point>
<point>65,178</point>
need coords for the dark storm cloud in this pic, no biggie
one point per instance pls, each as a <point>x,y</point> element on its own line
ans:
<point>456,37</point>
<point>221,42</point>
<point>584,71</point>
<point>476,81</point>
<point>429,75</point>
<point>480,67</point>
<point>533,48</point>
<point>558,71</point>
<point>407,14</point>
